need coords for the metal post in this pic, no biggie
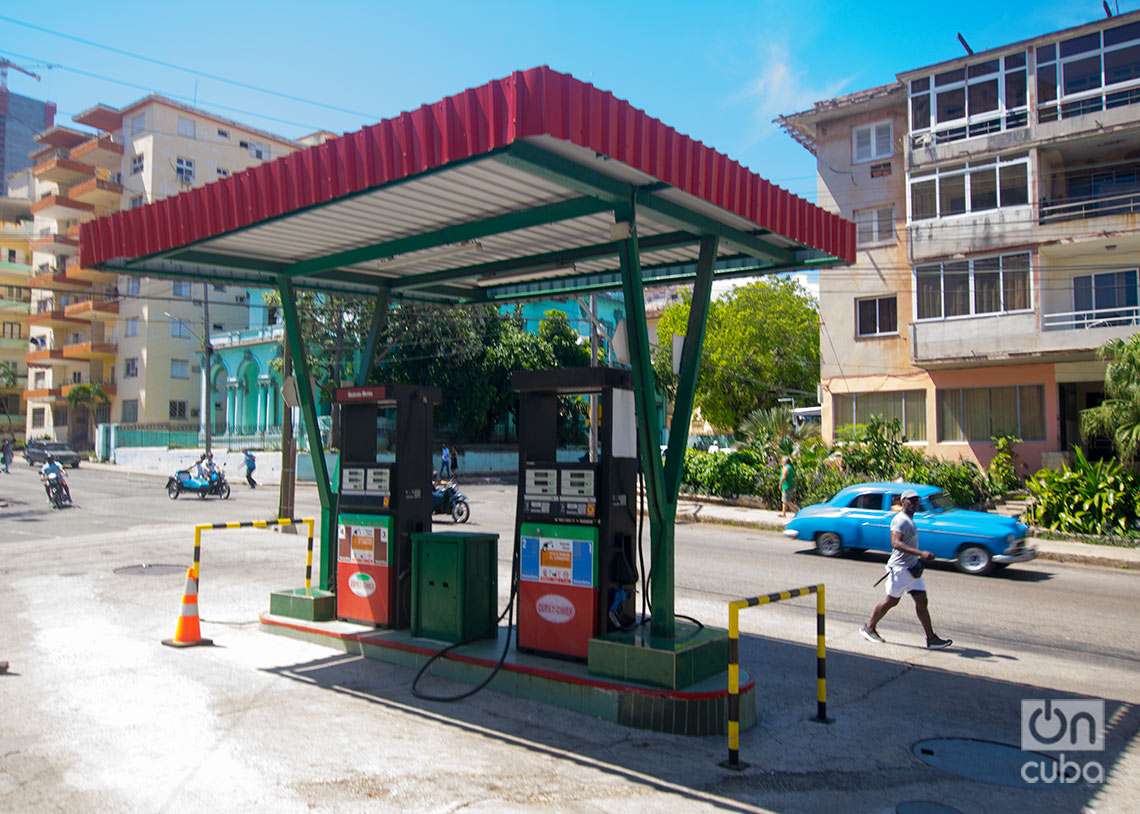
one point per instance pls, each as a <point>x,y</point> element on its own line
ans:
<point>732,717</point>
<point>377,328</point>
<point>309,411</point>
<point>208,351</point>
<point>288,445</point>
<point>593,363</point>
<point>662,511</point>
<point>821,656</point>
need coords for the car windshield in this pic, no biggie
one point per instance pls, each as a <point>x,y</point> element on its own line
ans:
<point>939,502</point>
<point>55,447</point>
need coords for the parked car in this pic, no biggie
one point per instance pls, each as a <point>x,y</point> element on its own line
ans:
<point>858,518</point>
<point>36,453</point>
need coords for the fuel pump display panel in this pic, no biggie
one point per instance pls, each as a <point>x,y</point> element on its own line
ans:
<point>558,581</point>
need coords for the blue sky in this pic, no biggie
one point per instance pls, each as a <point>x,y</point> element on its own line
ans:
<point>718,71</point>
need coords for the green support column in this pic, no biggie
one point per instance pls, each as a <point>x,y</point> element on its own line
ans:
<point>312,429</point>
<point>690,365</point>
<point>379,324</point>
<point>662,511</point>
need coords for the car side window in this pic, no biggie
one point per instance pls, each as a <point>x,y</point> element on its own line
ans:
<point>867,500</point>
<point>896,503</point>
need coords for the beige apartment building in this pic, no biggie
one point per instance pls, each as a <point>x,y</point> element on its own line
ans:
<point>15,296</point>
<point>996,199</point>
<point>139,339</point>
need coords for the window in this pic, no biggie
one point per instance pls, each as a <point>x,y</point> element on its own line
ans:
<point>130,412</point>
<point>876,225</point>
<point>221,289</point>
<point>1107,298</point>
<point>984,285</point>
<point>12,330</point>
<point>217,326</point>
<point>184,170</point>
<point>179,329</point>
<point>40,379</point>
<point>872,142</point>
<point>179,369</point>
<point>11,255</point>
<point>132,286</point>
<point>137,201</point>
<point>877,317</point>
<point>178,409</point>
<point>131,368</point>
<point>138,162</point>
<point>76,377</point>
<point>223,172</point>
<point>186,127</point>
<point>976,99</point>
<point>979,186</point>
<point>59,416</point>
<point>979,413</point>
<point>1083,74</point>
<point>181,288</point>
<point>223,133</point>
<point>908,406</point>
<point>870,500</point>
<point>138,124</point>
<point>38,418</point>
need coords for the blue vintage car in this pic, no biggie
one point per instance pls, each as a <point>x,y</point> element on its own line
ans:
<point>858,518</point>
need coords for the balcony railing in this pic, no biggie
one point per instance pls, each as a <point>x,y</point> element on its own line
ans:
<point>1091,206</point>
<point>1118,317</point>
<point>266,333</point>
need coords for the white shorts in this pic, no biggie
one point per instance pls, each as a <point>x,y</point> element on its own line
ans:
<point>900,580</point>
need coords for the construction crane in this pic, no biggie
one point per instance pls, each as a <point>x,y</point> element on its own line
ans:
<point>5,65</point>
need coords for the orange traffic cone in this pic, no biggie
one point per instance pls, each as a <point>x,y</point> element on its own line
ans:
<point>187,633</point>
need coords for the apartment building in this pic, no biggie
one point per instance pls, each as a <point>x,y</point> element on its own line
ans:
<point>21,117</point>
<point>15,296</point>
<point>996,199</point>
<point>138,339</point>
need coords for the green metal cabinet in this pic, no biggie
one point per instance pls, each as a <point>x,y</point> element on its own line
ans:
<point>455,586</point>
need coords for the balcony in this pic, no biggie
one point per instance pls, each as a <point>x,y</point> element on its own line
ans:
<point>44,394</point>
<point>1085,207</point>
<point>57,244</point>
<point>13,343</point>
<point>101,151</point>
<point>14,310</point>
<point>18,274</point>
<point>61,207</point>
<point>62,171</point>
<point>74,271</point>
<point>51,279</point>
<point>99,192</point>
<point>249,336</point>
<point>46,357</point>
<point>101,309</point>
<point>89,351</point>
<point>54,318</point>
<point>109,389</point>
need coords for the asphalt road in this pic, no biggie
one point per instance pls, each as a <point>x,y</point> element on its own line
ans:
<point>108,719</point>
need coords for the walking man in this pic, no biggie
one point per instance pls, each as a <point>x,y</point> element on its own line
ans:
<point>904,574</point>
<point>445,463</point>
<point>250,464</point>
<point>6,455</point>
<point>787,488</point>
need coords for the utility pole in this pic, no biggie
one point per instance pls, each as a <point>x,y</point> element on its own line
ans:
<point>208,369</point>
<point>594,363</point>
<point>288,450</point>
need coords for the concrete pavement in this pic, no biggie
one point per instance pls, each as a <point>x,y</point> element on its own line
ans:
<point>108,719</point>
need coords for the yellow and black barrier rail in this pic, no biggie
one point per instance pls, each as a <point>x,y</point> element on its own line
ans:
<point>259,524</point>
<point>734,609</point>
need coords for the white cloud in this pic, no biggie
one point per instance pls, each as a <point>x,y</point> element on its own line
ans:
<point>782,86</point>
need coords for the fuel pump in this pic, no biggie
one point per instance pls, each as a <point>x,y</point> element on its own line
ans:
<point>575,525</point>
<point>384,496</point>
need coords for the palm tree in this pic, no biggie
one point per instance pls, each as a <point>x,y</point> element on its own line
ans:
<point>90,397</point>
<point>1118,417</point>
<point>774,431</point>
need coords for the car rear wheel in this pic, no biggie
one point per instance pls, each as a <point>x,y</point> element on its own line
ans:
<point>828,544</point>
<point>975,560</point>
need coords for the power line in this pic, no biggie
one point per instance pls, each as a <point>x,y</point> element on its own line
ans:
<point>174,66</point>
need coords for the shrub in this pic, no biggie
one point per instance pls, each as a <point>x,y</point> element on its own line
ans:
<point>1087,498</point>
<point>962,481</point>
<point>1002,472</point>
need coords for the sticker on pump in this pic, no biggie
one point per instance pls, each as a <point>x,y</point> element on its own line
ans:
<point>363,544</point>
<point>556,561</point>
<point>362,585</point>
<point>555,609</point>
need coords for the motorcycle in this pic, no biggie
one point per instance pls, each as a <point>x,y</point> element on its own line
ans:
<point>447,499</point>
<point>183,481</point>
<point>58,495</point>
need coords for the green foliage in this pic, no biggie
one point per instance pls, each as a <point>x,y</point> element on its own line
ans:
<point>724,474</point>
<point>1086,498</point>
<point>1002,473</point>
<point>9,374</point>
<point>773,432</point>
<point>762,340</point>
<point>962,481</point>
<point>1118,417</point>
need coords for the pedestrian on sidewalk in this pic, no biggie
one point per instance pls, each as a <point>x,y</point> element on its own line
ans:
<point>904,575</point>
<point>788,488</point>
<point>445,463</point>
<point>250,463</point>
<point>6,455</point>
<point>454,458</point>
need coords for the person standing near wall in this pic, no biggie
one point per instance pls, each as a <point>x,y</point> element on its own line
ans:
<point>788,488</point>
<point>6,455</point>
<point>445,463</point>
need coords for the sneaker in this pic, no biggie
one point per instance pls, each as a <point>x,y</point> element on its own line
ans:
<point>938,644</point>
<point>872,636</point>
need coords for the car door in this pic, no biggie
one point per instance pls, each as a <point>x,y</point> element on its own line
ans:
<point>865,515</point>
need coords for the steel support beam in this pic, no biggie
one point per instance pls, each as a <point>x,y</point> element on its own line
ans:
<point>662,512</point>
<point>684,218</point>
<point>375,330</point>
<point>496,224</point>
<point>690,367</point>
<point>307,398</point>
<point>536,161</point>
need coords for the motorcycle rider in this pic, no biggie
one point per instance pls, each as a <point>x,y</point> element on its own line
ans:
<point>52,467</point>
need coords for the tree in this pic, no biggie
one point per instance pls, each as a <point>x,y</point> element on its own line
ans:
<point>762,341</point>
<point>89,397</point>
<point>774,432</point>
<point>1118,417</point>
<point>555,330</point>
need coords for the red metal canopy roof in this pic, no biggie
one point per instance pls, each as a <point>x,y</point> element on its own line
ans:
<point>574,119</point>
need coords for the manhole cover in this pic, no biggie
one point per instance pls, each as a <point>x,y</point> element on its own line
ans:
<point>924,807</point>
<point>150,569</point>
<point>984,761</point>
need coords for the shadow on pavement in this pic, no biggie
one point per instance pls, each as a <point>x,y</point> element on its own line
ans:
<point>862,761</point>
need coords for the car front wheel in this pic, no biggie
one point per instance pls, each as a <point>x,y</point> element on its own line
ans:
<point>975,560</point>
<point>828,544</point>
